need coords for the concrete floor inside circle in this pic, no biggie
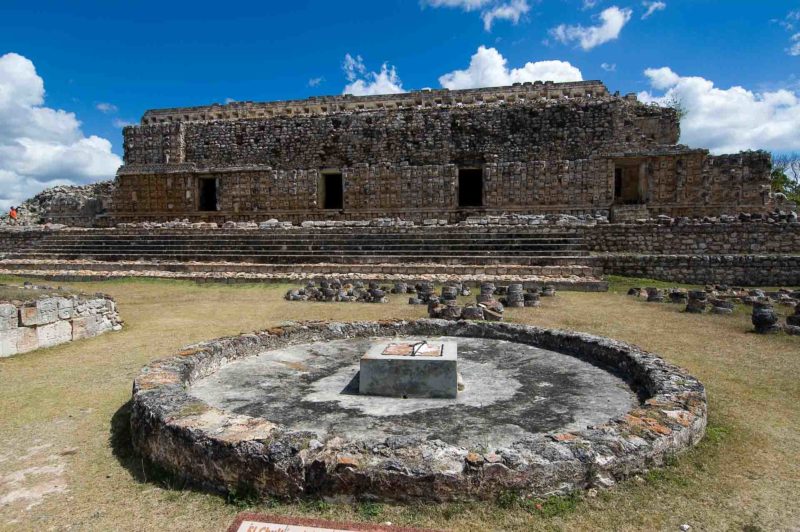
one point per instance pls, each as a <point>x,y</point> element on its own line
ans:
<point>512,392</point>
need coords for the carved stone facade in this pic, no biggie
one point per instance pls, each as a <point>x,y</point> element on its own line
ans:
<point>530,148</point>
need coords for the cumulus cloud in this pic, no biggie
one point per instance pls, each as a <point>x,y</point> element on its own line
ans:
<point>40,146</point>
<point>612,20</point>
<point>491,10</point>
<point>728,120</point>
<point>589,4</point>
<point>107,108</point>
<point>315,82</point>
<point>609,67</point>
<point>511,11</point>
<point>652,7</point>
<point>364,83</point>
<point>488,68</point>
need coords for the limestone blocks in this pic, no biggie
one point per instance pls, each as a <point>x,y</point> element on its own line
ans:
<point>53,320</point>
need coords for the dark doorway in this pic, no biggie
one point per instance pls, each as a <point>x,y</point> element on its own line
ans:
<point>470,187</point>
<point>332,191</point>
<point>628,185</point>
<point>208,194</point>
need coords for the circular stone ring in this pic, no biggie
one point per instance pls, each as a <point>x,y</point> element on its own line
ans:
<point>543,412</point>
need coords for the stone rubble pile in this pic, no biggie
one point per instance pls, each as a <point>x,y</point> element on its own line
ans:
<point>787,215</point>
<point>338,291</point>
<point>65,204</point>
<point>722,299</point>
<point>537,219</point>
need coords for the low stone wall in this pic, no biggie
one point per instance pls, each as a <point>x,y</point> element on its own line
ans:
<point>50,321</point>
<point>229,452</point>
<point>716,238</point>
<point>739,270</point>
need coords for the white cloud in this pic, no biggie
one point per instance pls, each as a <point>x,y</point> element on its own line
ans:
<point>40,146</point>
<point>315,82</point>
<point>612,20</point>
<point>652,7</point>
<point>609,67</point>
<point>491,10</point>
<point>511,11</point>
<point>229,100</point>
<point>107,108</point>
<point>120,123</point>
<point>794,49</point>
<point>363,83</point>
<point>466,5</point>
<point>488,68</point>
<point>729,120</point>
<point>353,67</point>
<point>662,78</point>
<point>589,4</point>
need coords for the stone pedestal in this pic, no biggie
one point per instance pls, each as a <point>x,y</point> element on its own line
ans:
<point>389,369</point>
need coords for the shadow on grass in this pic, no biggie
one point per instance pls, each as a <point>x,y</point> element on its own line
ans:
<point>140,468</point>
<point>146,472</point>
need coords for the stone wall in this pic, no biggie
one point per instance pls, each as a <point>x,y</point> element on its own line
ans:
<point>540,148</point>
<point>695,238</point>
<point>736,270</point>
<point>49,321</point>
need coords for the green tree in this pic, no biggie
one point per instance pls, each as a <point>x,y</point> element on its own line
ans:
<point>786,175</point>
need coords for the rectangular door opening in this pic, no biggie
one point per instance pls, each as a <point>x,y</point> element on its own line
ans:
<point>332,191</point>
<point>628,185</point>
<point>470,187</point>
<point>208,194</point>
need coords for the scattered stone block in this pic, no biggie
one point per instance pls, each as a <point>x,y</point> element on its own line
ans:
<point>764,318</point>
<point>27,339</point>
<point>55,333</point>
<point>697,302</point>
<point>655,295</point>
<point>8,342</point>
<point>9,317</point>
<point>39,312</point>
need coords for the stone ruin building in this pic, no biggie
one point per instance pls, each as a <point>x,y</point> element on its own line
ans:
<point>531,148</point>
<point>538,183</point>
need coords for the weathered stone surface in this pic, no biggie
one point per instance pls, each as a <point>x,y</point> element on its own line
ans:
<point>39,312</point>
<point>55,333</point>
<point>9,317</point>
<point>8,342</point>
<point>50,321</point>
<point>27,339</point>
<point>167,428</point>
<point>764,318</point>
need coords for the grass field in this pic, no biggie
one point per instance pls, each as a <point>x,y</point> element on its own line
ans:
<point>65,462</point>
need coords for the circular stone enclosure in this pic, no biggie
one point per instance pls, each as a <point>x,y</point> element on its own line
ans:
<point>277,413</point>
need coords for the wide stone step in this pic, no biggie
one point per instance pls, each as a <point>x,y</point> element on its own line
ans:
<point>485,258</point>
<point>222,248</point>
<point>565,277</point>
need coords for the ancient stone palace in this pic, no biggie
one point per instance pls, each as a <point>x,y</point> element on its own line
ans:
<point>532,148</point>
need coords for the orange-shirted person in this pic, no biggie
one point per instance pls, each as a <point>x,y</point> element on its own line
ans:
<point>12,213</point>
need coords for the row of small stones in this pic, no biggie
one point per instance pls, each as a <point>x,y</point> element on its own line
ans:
<point>764,318</point>
<point>423,293</point>
<point>773,217</point>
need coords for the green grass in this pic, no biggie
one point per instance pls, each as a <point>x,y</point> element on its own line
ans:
<point>64,416</point>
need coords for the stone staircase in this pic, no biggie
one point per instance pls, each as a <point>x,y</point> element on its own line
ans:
<point>553,253</point>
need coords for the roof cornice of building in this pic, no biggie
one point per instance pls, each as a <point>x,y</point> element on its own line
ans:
<point>349,103</point>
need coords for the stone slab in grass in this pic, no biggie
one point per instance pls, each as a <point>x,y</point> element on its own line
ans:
<point>250,522</point>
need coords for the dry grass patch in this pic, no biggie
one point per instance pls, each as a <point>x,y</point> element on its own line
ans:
<point>69,404</point>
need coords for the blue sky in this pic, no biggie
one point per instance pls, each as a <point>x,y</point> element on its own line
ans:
<point>134,56</point>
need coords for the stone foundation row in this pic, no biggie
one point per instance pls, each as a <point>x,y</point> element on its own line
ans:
<point>50,321</point>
